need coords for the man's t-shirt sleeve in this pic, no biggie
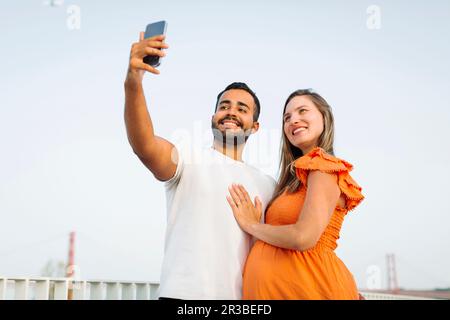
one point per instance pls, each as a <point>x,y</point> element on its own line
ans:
<point>179,159</point>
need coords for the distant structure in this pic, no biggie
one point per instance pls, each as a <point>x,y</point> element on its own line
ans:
<point>54,3</point>
<point>70,270</point>
<point>392,285</point>
<point>55,269</point>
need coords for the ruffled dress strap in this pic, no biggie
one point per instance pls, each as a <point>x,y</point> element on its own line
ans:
<point>318,159</point>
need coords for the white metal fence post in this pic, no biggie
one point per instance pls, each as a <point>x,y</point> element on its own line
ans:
<point>112,291</point>
<point>128,291</point>
<point>96,291</point>
<point>142,291</point>
<point>79,290</point>
<point>21,289</point>
<point>42,289</point>
<point>61,289</point>
<point>3,287</point>
<point>154,291</point>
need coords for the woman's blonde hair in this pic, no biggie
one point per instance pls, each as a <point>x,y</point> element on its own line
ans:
<point>287,180</point>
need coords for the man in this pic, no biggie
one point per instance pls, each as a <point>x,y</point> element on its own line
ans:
<point>205,250</point>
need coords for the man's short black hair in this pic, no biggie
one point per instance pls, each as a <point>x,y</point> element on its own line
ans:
<point>245,87</point>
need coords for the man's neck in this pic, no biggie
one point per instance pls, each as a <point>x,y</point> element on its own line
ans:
<point>231,151</point>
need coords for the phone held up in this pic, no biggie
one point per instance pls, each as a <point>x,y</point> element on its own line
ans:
<point>154,29</point>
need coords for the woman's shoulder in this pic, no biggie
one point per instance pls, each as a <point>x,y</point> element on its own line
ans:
<point>319,159</point>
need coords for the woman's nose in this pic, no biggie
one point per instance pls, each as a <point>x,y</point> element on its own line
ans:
<point>294,120</point>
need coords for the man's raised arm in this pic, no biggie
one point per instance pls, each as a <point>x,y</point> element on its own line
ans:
<point>154,152</point>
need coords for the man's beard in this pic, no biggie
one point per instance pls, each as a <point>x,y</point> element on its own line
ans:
<point>230,137</point>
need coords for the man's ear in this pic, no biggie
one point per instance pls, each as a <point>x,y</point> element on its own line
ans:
<point>255,127</point>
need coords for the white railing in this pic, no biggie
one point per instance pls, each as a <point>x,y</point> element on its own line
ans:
<point>66,288</point>
<point>73,289</point>
<point>387,296</point>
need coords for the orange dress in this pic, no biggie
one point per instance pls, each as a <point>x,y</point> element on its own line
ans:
<point>275,273</point>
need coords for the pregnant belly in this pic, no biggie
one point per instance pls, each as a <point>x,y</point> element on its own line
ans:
<point>275,273</point>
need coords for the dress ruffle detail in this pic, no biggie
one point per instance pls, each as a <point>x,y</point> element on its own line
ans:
<point>318,159</point>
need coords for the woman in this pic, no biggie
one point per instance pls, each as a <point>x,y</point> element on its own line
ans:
<point>294,256</point>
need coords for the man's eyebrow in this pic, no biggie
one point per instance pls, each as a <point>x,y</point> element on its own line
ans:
<point>243,104</point>
<point>240,103</point>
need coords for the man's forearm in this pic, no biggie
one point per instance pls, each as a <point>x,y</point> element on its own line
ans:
<point>137,118</point>
<point>156,153</point>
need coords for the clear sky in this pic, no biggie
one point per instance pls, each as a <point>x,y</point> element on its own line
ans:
<point>66,163</point>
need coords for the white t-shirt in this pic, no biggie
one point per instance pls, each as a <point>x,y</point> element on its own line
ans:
<point>205,249</point>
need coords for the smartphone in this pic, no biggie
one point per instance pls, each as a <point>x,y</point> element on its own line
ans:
<point>154,29</point>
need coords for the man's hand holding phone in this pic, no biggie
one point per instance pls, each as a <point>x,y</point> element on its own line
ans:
<point>156,153</point>
<point>145,47</point>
